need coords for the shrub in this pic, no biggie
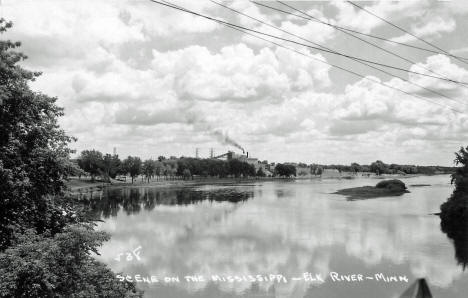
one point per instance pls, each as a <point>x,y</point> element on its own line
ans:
<point>393,184</point>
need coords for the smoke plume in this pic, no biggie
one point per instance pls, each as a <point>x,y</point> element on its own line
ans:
<point>223,138</point>
<point>220,136</point>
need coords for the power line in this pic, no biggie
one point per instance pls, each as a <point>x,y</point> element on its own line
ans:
<point>357,32</point>
<point>316,48</point>
<point>372,44</point>
<point>235,27</point>
<point>366,64</point>
<point>403,30</point>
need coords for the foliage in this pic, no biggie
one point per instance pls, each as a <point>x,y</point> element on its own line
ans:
<point>385,188</point>
<point>91,161</point>
<point>378,167</point>
<point>393,184</point>
<point>44,251</point>
<point>260,173</point>
<point>95,164</point>
<point>186,174</point>
<point>355,167</point>
<point>33,149</point>
<point>132,165</point>
<point>149,168</point>
<point>239,168</point>
<point>214,167</point>
<point>454,212</point>
<point>456,207</point>
<point>112,165</point>
<point>285,170</point>
<point>62,266</point>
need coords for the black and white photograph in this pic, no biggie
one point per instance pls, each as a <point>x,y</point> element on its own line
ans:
<point>233,149</point>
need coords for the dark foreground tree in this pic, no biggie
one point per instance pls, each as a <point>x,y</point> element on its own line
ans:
<point>44,245</point>
<point>454,212</point>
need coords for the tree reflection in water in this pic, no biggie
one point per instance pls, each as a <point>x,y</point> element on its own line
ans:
<point>459,235</point>
<point>109,202</point>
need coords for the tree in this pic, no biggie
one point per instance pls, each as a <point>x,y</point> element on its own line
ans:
<point>285,170</point>
<point>92,162</point>
<point>378,167</point>
<point>42,239</point>
<point>260,172</point>
<point>33,149</point>
<point>319,171</point>
<point>132,166</point>
<point>60,267</point>
<point>454,212</point>
<point>111,165</point>
<point>149,168</point>
<point>355,167</point>
<point>186,174</point>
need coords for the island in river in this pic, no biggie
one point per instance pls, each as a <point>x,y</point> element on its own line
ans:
<point>384,188</point>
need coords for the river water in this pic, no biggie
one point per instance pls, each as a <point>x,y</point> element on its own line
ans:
<point>283,228</point>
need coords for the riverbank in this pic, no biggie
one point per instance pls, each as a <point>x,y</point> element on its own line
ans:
<point>76,185</point>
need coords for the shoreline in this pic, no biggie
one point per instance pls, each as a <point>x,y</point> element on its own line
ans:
<point>75,185</point>
<point>88,186</point>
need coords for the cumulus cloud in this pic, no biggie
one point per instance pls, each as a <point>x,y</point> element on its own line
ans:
<point>132,73</point>
<point>434,28</point>
<point>351,17</point>
<point>237,73</point>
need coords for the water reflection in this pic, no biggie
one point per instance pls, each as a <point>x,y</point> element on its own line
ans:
<point>286,228</point>
<point>132,200</point>
<point>458,233</point>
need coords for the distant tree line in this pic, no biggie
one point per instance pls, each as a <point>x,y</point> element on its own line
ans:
<point>96,164</point>
<point>379,168</point>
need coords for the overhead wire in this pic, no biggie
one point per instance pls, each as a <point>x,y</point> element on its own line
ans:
<point>406,31</point>
<point>319,45</point>
<point>318,48</point>
<point>362,33</point>
<point>236,27</point>
<point>374,45</point>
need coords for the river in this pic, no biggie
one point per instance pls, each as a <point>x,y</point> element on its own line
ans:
<point>286,228</point>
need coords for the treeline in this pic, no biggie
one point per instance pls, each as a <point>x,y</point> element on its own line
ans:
<point>187,167</point>
<point>379,167</point>
<point>96,164</point>
<point>106,166</point>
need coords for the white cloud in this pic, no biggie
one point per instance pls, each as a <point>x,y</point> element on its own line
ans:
<point>433,29</point>
<point>128,73</point>
<point>237,73</point>
<point>351,17</point>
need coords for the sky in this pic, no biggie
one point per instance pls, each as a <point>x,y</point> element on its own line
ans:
<point>149,80</point>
